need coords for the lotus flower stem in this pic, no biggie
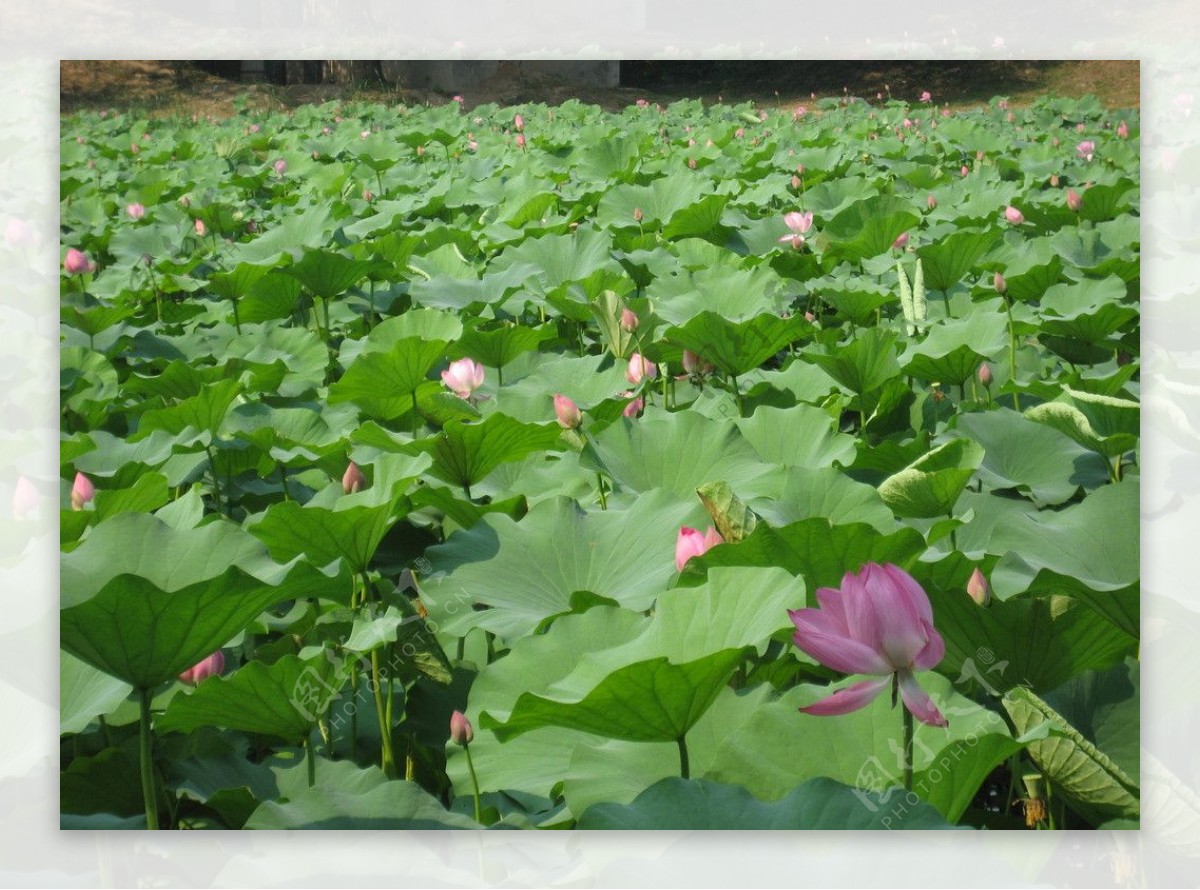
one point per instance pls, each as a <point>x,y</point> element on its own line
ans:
<point>474,783</point>
<point>387,758</point>
<point>600,486</point>
<point>953,534</point>
<point>146,760</point>
<point>1012,351</point>
<point>685,771</point>
<point>908,744</point>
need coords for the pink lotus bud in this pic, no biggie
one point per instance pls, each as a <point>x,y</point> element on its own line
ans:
<point>463,377</point>
<point>640,369</point>
<point>254,128</point>
<point>809,317</point>
<point>641,103</point>
<point>985,374</point>
<point>694,364</point>
<point>1123,130</point>
<point>82,491</point>
<point>185,201</point>
<point>739,133</point>
<point>999,283</point>
<point>18,233</point>
<point>135,211</point>
<point>634,408</point>
<point>280,167</point>
<point>901,242</point>
<point>458,99</point>
<point>926,97</point>
<point>1074,200</point>
<point>638,216</point>
<point>1013,215</point>
<point>977,588</point>
<point>964,170</point>
<point>945,112</point>
<point>1079,128</point>
<point>201,228</point>
<point>799,111</point>
<point>691,162</point>
<point>461,731</point>
<point>368,195</point>
<point>908,124</point>
<point>76,262</point>
<point>25,498</point>
<point>353,479</point>
<point>518,123</point>
<point>521,141</point>
<point>474,146</point>
<point>1054,180</point>
<point>325,131</point>
<point>567,412</point>
<point>365,133</point>
<point>629,320</point>
<point>795,182</point>
<point>1085,149</point>
<point>691,543</point>
<point>931,202</point>
<point>209,667</point>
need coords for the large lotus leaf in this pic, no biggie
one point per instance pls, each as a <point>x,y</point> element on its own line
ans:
<point>856,300</point>
<point>816,549</point>
<point>864,364</point>
<point>384,384</point>
<point>560,259</point>
<point>948,259</point>
<point>866,228</point>
<point>300,351</point>
<point>648,701</point>
<point>929,487</point>
<point>145,635</point>
<point>496,348</point>
<point>586,380</point>
<point>273,296</point>
<point>1037,642</point>
<point>295,233</point>
<point>308,433</point>
<point>955,348</point>
<point>825,492</point>
<point>679,452</point>
<point>323,535</point>
<point>390,806</point>
<point>202,413</point>
<point>427,324</point>
<point>1089,311</point>
<point>1106,249</point>
<point>85,693</point>
<point>1105,424</point>
<point>464,453</point>
<point>801,436</point>
<point>779,747</point>
<point>144,496</point>
<point>737,347</point>
<point>1031,458</point>
<point>527,571</point>
<point>461,291</point>
<point>282,699</point>
<point>698,804</point>
<point>658,202</point>
<point>236,283</point>
<point>723,288</point>
<point>1091,781</point>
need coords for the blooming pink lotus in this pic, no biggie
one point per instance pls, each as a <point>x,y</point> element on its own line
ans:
<point>629,320</point>
<point>201,228</point>
<point>634,408</point>
<point>567,412</point>
<point>209,667</point>
<point>1085,149</point>
<point>76,262</point>
<point>694,364</point>
<point>1122,130</point>
<point>463,377</point>
<point>879,623</point>
<point>1074,201</point>
<point>135,211</point>
<point>901,241</point>
<point>82,491</point>
<point>693,543</point>
<point>926,96</point>
<point>1013,215</point>
<point>640,368</point>
<point>353,479</point>
<point>280,166</point>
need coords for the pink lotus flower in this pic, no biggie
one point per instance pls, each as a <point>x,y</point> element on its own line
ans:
<point>691,162</point>
<point>1123,130</point>
<point>926,97</point>
<point>964,170</point>
<point>353,479</point>
<point>799,223</point>
<point>629,320</point>
<point>463,377</point>
<point>82,491</point>
<point>209,667</point>
<point>1085,149</point>
<point>567,412</point>
<point>901,242</point>
<point>795,182</point>
<point>634,408</point>
<point>461,731</point>
<point>280,167</point>
<point>985,374</point>
<point>201,228</point>
<point>694,364</point>
<point>640,369</point>
<point>977,588</point>
<point>25,498</point>
<point>518,123</point>
<point>693,543</point>
<point>1074,201</point>
<point>458,99</point>
<point>931,202</point>
<point>76,262</point>
<point>879,623</point>
<point>135,211</point>
<point>254,128</point>
<point>638,216</point>
<point>999,283</point>
<point>739,133</point>
<point>799,111</point>
<point>1013,215</point>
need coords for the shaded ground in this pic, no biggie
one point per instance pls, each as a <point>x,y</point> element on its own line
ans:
<point>164,89</point>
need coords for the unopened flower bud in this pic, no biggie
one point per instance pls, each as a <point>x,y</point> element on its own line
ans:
<point>985,374</point>
<point>353,479</point>
<point>999,283</point>
<point>461,731</point>
<point>977,586</point>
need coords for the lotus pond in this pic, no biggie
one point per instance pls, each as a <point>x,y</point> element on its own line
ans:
<point>542,467</point>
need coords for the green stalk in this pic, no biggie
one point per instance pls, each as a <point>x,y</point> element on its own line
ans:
<point>388,760</point>
<point>474,783</point>
<point>1012,351</point>
<point>908,744</point>
<point>212,467</point>
<point>146,760</point>
<point>684,768</point>
<point>600,485</point>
